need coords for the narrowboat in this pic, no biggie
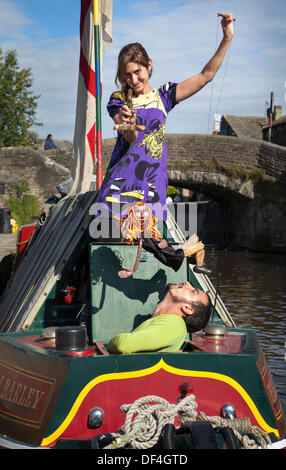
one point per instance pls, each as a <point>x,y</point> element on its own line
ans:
<point>61,388</point>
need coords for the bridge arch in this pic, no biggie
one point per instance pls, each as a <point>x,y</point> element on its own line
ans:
<point>217,185</point>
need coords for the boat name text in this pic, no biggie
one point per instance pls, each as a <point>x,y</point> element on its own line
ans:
<point>19,393</point>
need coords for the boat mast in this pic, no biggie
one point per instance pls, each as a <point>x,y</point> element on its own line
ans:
<point>270,113</point>
<point>98,134</point>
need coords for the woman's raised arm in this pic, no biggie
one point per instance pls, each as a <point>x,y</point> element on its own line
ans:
<point>194,84</point>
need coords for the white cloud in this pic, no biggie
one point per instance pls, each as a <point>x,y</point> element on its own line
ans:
<point>13,21</point>
<point>54,67</point>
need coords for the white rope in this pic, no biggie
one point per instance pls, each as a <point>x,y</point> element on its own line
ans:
<point>212,83</point>
<point>147,416</point>
<point>222,83</point>
<point>241,428</point>
<point>143,431</point>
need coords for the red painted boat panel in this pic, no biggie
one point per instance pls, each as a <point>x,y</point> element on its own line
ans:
<point>109,395</point>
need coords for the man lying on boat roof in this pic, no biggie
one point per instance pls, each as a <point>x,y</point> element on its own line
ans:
<point>183,309</point>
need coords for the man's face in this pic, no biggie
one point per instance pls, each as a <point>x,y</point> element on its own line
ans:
<point>185,292</point>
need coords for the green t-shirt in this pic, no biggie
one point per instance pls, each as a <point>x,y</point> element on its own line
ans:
<point>165,332</point>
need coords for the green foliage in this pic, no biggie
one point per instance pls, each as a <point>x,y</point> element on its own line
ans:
<point>257,175</point>
<point>24,206</point>
<point>20,188</point>
<point>172,191</point>
<point>17,103</point>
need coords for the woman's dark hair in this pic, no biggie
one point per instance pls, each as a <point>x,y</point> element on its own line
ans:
<point>199,319</point>
<point>133,52</point>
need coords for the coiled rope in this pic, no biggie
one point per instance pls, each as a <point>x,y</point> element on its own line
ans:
<point>147,416</point>
<point>241,428</point>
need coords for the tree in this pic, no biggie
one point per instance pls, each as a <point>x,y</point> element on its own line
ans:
<point>24,206</point>
<point>172,191</point>
<point>18,104</point>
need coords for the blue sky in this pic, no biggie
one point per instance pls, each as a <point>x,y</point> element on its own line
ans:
<point>179,35</point>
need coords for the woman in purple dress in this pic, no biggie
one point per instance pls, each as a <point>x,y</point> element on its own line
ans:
<point>138,167</point>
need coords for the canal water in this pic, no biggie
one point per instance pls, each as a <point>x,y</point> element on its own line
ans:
<point>252,286</point>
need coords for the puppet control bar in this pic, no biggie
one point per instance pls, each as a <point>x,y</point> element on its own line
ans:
<point>223,16</point>
<point>125,126</point>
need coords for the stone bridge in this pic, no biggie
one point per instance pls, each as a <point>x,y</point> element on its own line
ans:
<point>219,166</point>
<point>223,166</point>
<point>246,179</point>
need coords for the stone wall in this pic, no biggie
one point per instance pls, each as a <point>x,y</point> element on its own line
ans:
<point>62,157</point>
<point>38,168</point>
<point>260,226</point>
<point>278,132</point>
<point>249,153</point>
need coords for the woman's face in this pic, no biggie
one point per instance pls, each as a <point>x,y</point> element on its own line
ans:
<point>137,77</point>
<point>142,212</point>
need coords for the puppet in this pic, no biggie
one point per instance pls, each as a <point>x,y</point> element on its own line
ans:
<point>140,226</point>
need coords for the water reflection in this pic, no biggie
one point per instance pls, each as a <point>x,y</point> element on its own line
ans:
<point>252,286</point>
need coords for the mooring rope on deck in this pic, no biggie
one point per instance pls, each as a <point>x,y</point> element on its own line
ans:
<point>241,428</point>
<point>147,416</point>
<point>144,430</point>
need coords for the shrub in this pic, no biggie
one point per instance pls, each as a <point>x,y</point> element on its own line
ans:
<point>24,206</point>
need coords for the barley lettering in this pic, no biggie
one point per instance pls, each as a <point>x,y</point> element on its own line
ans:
<point>19,394</point>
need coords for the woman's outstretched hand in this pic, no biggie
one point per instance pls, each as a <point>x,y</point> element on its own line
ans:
<point>227,26</point>
<point>127,115</point>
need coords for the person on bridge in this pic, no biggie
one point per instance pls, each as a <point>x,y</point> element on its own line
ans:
<point>49,143</point>
<point>138,166</point>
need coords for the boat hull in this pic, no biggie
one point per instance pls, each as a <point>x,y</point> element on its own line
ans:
<point>46,395</point>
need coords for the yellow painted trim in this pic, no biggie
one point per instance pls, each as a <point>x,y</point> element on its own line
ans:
<point>151,370</point>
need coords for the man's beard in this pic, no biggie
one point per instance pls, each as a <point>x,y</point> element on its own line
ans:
<point>177,298</point>
<point>168,287</point>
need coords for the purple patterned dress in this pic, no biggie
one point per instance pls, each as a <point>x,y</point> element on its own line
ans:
<point>138,171</point>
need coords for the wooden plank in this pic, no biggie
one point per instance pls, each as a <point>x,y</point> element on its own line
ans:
<point>48,281</point>
<point>28,264</point>
<point>49,275</point>
<point>36,259</point>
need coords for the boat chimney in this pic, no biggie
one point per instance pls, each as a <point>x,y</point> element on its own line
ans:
<point>277,112</point>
